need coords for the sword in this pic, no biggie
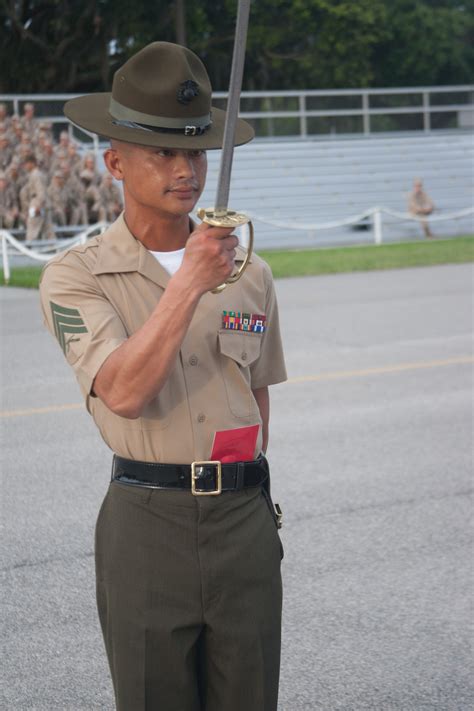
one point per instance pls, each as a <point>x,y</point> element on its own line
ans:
<point>220,215</point>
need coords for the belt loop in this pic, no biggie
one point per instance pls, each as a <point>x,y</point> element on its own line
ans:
<point>113,469</point>
<point>239,476</point>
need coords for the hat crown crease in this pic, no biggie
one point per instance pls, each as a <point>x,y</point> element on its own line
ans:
<point>149,82</point>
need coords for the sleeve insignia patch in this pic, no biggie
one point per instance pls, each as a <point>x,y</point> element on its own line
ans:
<point>239,321</point>
<point>67,323</point>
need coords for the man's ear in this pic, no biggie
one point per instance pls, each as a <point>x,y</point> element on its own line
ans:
<point>113,163</point>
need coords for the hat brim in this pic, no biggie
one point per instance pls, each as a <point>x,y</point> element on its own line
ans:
<point>91,112</point>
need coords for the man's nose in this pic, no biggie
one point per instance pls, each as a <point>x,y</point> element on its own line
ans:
<point>184,165</point>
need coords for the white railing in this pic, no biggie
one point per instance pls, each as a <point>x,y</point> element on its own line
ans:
<point>44,251</point>
<point>423,103</point>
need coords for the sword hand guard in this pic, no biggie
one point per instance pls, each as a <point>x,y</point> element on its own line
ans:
<point>228,218</point>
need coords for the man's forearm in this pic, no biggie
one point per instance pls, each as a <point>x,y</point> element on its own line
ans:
<point>137,370</point>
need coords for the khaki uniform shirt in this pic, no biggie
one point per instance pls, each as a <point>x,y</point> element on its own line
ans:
<point>95,296</point>
<point>57,196</point>
<point>419,201</point>
<point>36,189</point>
<point>9,208</point>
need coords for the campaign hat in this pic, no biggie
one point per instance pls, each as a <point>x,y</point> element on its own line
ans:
<point>160,97</point>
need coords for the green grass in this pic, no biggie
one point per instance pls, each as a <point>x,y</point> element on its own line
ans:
<point>333,260</point>
<point>27,277</point>
<point>367,258</point>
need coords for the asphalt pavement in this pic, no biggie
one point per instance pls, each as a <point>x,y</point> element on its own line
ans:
<point>371,454</point>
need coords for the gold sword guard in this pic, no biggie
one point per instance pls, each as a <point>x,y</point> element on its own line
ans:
<point>228,218</point>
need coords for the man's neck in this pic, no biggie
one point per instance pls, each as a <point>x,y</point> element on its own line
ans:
<point>159,233</point>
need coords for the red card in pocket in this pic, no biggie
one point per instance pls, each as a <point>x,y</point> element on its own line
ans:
<point>235,445</point>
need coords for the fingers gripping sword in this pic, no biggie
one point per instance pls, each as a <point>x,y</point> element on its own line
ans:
<point>220,215</point>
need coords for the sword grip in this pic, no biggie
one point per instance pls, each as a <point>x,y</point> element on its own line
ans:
<point>229,218</point>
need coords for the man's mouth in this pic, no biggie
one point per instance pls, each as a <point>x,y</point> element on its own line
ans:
<point>184,189</point>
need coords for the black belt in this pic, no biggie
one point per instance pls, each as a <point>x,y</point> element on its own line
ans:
<point>202,478</point>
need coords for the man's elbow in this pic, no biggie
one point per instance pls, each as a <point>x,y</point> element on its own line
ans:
<point>128,407</point>
<point>130,411</point>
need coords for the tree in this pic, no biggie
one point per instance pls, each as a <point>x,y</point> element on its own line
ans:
<point>73,45</point>
<point>76,45</point>
<point>426,42</point>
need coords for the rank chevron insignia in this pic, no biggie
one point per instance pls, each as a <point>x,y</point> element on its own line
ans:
<point>66,321</point>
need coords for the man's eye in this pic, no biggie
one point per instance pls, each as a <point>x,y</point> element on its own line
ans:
<point>165,152</point>
<point>197,153</point>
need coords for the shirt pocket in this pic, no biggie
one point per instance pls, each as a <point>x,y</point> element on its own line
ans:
<point>238,350</point>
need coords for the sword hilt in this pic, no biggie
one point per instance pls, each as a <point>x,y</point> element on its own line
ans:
<point>228,218</point>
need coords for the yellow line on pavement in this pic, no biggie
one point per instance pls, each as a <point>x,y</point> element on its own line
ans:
<point>339,374</point>
<point>336,375</point>
<point>41,410</point>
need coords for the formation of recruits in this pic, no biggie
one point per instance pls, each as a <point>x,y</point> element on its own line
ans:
<point>46,184</point>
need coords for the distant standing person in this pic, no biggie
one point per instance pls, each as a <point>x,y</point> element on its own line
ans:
<point>34,197</point>
<point>419,203</point>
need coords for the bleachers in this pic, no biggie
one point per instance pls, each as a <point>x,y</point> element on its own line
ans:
<point>314,182</point>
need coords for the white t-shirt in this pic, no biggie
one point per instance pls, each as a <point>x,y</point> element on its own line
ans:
<point>171,261</point>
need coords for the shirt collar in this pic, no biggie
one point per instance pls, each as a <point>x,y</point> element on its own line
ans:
<point>119,251</point>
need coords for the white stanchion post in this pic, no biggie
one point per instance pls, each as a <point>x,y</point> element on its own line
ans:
<point>377,218</point>
<point>6,263</point>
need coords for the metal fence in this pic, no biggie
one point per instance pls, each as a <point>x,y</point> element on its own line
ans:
<point>317,113</point>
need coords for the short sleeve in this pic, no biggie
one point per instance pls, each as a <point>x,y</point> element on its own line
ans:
<point>269,368</point>
<point>77,313</point>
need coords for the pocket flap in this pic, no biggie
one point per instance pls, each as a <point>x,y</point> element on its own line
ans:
<point>242,347</point>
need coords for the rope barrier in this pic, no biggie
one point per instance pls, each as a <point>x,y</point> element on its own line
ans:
<point>313,226</point>
<point>81,238</point>
<point>9,240</point>
<point>353,219</point>
<point>432,218</point>
<point>375,213</point>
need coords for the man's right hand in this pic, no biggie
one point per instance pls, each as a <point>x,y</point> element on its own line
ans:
<point>209,257</point>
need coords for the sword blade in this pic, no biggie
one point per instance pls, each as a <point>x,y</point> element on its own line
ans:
<point>235,86</point>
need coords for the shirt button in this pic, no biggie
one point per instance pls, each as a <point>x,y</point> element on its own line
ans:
<point>244,356</point>
<point>201,417</point>
<point>193,360</point>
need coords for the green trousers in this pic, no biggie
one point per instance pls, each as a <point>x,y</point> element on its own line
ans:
<point>189,598</point>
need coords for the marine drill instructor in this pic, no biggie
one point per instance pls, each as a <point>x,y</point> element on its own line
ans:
<point>187,555</point>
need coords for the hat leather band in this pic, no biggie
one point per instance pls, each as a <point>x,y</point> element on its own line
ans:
<point>123,116</point>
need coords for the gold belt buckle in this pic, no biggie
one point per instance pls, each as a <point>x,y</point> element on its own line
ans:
<point>195,466</point>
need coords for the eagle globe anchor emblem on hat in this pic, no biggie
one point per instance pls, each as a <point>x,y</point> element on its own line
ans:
<point>162,97</point>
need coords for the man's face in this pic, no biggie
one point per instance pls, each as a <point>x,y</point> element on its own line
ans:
<point>166,180</point>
